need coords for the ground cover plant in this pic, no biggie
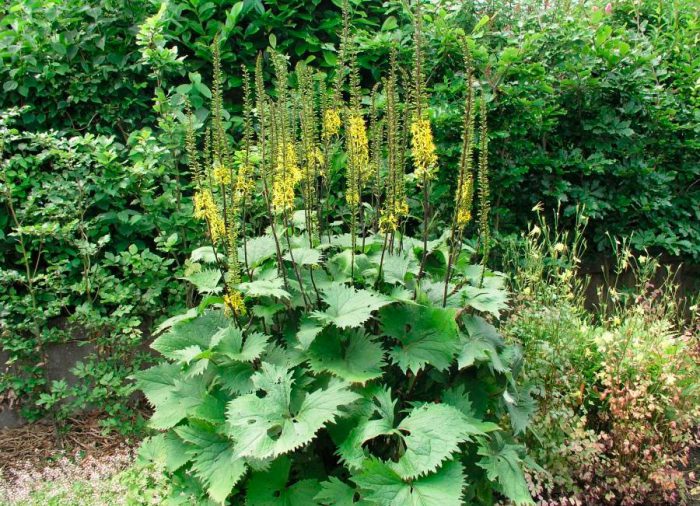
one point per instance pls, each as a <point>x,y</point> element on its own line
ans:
<point>334,358</point>
<point>617,390</point>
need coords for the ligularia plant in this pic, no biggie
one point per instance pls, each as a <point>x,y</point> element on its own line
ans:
<point>334,359</point>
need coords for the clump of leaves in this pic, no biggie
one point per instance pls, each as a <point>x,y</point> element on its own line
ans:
<point>334,358</point>
<point>378,393</point>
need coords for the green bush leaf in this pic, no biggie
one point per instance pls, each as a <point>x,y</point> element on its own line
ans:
<point>185,334</point>
<point>206,280</point>
<point>271,426</point>
<point>213,460</point>
<point>382,486</point>
<point>229,342</point>
<point>503,465</point>
<point>351,355</point>
<point>425,335</point>
<point>431,434</point>
<point>271,487</point>
<point>348,307</point>
<point>265,288</point>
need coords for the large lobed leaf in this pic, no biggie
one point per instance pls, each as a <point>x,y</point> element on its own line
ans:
<point>266,427</point>
<point>348,307</point>
<point>425,336</point>
<point>351,355</point>
<point>213,460</point>
<point>382,486</point>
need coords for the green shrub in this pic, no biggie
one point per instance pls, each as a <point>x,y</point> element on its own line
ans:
<point>89,252</point>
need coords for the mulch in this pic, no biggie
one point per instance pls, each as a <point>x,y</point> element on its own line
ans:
<point>39,443</point>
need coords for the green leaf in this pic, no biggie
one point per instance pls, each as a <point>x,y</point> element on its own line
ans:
<point>396,267</point>
<point>304,256</point>
<point>348,307</point>
<point>487,299</point>
<point>378,422</point>
<point>212,409</point>
<point>158,381</point>
<point>183,397</point>
<point>521,407</point>
<point>236,378</point>
<point>308,330</point>
<point>425,336</point>
<point>165,450</point>
<point>265,288</point>
<point>270,426</point>
<point>229,342</point>
<point>336,493</point>
<point>481,345</point>
<point>185,334</point>
<point>382,486</point>
<point>389,24</point>
<point>482,22</point>
<point>259,249</point>
<point>351,355</point>
<point>206,280</point>
<point>270,488</point>
<point>213,460</point>
<point>603,34</point>
<point>431,434</point>
<point>204,254</point>
<point>232,15</point>
<point>503,465</point>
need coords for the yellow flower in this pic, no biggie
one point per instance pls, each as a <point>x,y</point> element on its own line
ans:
<point>283,195</point>
<point>221,174</point>
<point>464,198</point>
<point>205,209</point>
<point>314,158</point>
<point>401,208</point>
<point>331,123</point>
<point>233,302</point>
<point>391,214</point>
<point>287,176</point>
<point>464,216</point>
<point>388,222</point>
<point>245,184</point>
<point>359,168</point>
<point>423,150</point>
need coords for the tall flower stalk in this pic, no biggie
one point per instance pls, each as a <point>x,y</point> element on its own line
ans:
<point>464,194</point>
<point>422,144</point>
<point>484,190</point>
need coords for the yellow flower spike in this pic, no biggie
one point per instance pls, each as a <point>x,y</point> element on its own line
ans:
<point>287,176</point>
<point>221,174</point>
<point>283,195</point>
<point>233,302</point>
<point>388,222</point>
<point>423,150</point>
<point>464,198</point>
<point>245,184</point>
<point>359,168</point>
<point>205,209</point>
<point>331,124</point>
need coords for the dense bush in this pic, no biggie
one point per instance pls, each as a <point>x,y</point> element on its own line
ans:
<point>589,106</point>
<point>100,214</point>
<point>338,340</point>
